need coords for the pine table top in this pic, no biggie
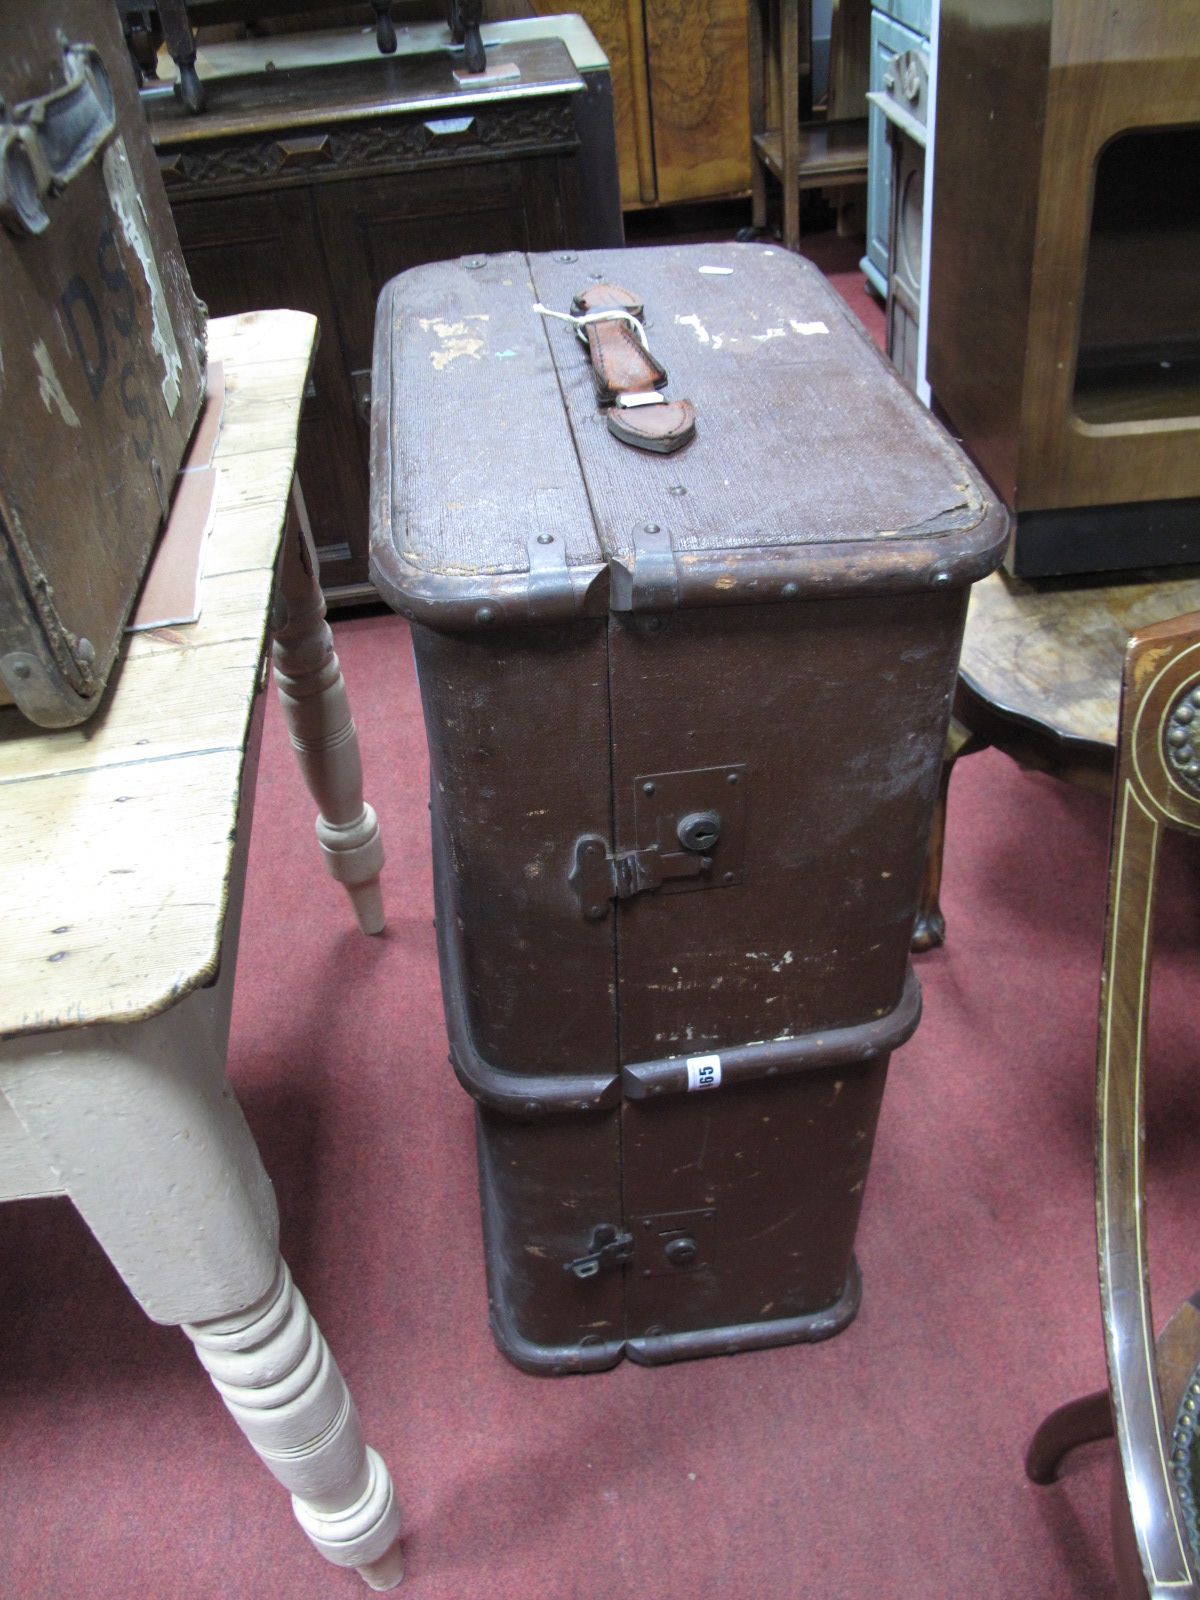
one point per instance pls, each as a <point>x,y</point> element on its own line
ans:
<point>117,836</point>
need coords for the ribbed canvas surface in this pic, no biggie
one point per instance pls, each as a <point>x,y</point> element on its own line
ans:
<point>805,435</point>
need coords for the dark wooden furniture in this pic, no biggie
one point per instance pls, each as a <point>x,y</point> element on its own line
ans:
<point>675,885</point>
<point>787,144</point>
<point>179,19</point>
<point>1039,679</point>
<point>680,91</point>
<point>1153,1394</point>
<point>1064,333</point>
<point>309,182</point>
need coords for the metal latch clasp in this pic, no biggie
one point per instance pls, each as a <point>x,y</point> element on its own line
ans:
<point>598,877</point>
<point>610,1249</point>
<point>689,833</point>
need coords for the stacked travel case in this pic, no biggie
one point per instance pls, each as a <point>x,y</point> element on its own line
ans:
<point>686,715</point>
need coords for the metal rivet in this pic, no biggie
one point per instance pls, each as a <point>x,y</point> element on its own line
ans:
<point>566,258</point>
<point>86,651</point>
<point>595,913</point>
<point>651,527</point>
<point>731,777</point>
<point>531,1106</point>
<point>473,263</point>
<point>22,670</point>
<point>729,877</point>
<point>484,615</point>
<point>407,612</point>
<point>545,538</point>
<point>58,955</point>
<point>941,577</point>
<point>647,788</point>
<point>596,277</point>
<point>676,488</point>
<point>789,590</point>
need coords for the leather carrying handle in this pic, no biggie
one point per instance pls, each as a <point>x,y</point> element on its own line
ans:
<point>628,376</point>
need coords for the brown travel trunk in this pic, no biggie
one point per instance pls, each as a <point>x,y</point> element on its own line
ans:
<point>102,356</point>
<point>685,717</point>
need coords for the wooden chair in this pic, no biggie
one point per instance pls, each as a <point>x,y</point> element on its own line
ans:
<point>801,153</point>
<point>121,874</point>
<point>1153,1399</point>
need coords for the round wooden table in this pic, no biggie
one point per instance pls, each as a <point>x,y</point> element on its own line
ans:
<point>1040,679</point>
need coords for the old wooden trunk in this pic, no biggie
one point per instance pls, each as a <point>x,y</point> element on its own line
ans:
<point>101,353</point>
<point>685,718</point>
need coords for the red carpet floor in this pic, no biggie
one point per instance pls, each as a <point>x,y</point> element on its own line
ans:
<point>885,1463</point>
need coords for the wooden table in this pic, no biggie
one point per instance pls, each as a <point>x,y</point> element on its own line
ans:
<point>122,862</point>
<point>1040,679</point>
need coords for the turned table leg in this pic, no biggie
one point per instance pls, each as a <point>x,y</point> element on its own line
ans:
<point>138,1127</point>
<point>313,695</point>
<point>271,1366</point>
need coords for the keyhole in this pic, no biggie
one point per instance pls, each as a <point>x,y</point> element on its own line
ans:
<point>699,831</point>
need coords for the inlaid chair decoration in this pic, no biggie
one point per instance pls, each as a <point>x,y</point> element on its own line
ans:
<point>1153,1400</point>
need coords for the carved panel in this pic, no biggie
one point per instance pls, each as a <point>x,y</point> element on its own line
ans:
<point>523,126</point>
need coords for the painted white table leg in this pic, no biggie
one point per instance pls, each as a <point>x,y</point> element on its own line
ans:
<point>140,1129</point>
<point>273,1369</point>
<point>313,695</point>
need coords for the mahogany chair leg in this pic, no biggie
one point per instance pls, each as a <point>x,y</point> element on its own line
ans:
<point>312,692</point>
<point>1081,1421</point>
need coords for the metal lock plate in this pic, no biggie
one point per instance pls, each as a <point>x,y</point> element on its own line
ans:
<point>670,1242</point>
<point>671,807</point>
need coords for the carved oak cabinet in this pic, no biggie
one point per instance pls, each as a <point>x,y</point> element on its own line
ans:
<point>313,176</point>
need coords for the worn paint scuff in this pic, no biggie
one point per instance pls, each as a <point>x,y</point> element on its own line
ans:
<point>131,214</point>
<point>50,389</point>
<point>457,340</point>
